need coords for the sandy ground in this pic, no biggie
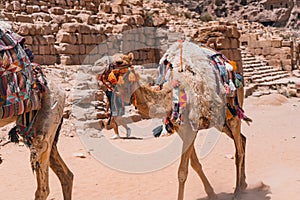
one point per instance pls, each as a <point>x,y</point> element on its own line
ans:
<point>272,162</point>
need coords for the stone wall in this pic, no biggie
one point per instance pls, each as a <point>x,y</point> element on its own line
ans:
<point>80,32</point>
<point>277,51</point>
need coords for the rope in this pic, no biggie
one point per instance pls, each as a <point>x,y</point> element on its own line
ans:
<point>180,47</point>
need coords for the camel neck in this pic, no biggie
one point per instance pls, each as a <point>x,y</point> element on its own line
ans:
<point>153,103</point>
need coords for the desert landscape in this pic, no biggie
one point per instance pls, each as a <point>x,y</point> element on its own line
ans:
<point>71,39</point>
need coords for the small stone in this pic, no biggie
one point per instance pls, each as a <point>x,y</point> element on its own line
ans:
<point>257,94</point>
<point>229,156</point>
<point>79,155</point>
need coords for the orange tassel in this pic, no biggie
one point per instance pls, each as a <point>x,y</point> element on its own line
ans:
<point>112,78</point>
<point>5,60</point>
<point>120,81</point>
<point>233,65</point>
<point>131,77</point>
<point>228,114</point>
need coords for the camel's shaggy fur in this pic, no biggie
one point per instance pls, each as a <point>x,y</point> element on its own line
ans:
<point>199,82</point>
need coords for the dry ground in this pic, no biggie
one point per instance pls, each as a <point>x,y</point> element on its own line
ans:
<point>272,163</point>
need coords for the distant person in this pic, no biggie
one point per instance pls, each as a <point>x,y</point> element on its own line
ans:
<point>165,73</point>
<point>115,107</point>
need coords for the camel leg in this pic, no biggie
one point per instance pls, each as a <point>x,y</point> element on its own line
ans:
<point>198,168</point>
<point>61,170</point>
<point>39,157</point>
<point>243,175</point>
<point>183,171</point>
<point>234,132</point>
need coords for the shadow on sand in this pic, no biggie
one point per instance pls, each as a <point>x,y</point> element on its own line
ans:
<point>131,138</point>
<point>259,191</point>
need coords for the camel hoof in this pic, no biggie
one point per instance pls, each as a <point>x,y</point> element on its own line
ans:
<point>244,186</point>
<point>212,197</point>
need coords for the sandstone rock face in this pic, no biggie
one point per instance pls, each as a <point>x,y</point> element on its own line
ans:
<point>279,13</point>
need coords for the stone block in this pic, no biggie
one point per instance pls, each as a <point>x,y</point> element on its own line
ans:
<point>264,43</point>
<point>65,37</point>
<point>274,62</point>
<point>53,50</point>
<point>127,10</point>
<point>258,51</point>
<point>59,19</point>
<point>235,33</point>
<point>84,18</point>
<point>117,9</point>
<point>49,60</point>
<point>39,58</point>
<point>65,60</point>
<point>274,51</point>
<point>103,48</point>
<point>36,8</point>
<point>266,50</point>
<point>23,29</point>
<point>23,7</point>
<point>100,28</point>
<point>44,9</point>
<point>41,16</point>
<point>276,43</point>
<point>286,43</point>
<point>286,63</point>
<point>228,32</point>
<point>104,7</point>
<point>70,27</point>
<point>91,49</point>
<point>44,49</point>
<point>82,49</point>
<point>85,28</point>
<point>119,28</point>
<point>57,11</point>
<point>234,43</point>
<point>89,39</point>
<point>118,2</point>
<point>50,39</point>
<point>28,40</point>
<point>41,40</point>
<point>16,5</point>
<point>236,54</point>
<point>223,42</point>
<point>69,49</point>
<point>46,29</point>
<point>24,18</point>
<point>54,28</point>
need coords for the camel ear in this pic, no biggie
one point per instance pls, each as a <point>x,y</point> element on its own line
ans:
<point>130,56</point>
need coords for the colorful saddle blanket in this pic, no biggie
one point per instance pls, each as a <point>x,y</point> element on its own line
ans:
<point>19,87</point>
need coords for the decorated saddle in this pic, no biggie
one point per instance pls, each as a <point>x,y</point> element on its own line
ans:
<point>21,81</point>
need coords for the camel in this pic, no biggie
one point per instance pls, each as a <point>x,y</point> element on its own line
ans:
<point>45,121</point>
<point>157,104</point>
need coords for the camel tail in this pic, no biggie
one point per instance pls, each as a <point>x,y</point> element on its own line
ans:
<point>58,131</point>
<point>248,120</point>
<point>157,131</point>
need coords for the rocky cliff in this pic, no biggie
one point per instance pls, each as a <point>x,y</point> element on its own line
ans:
<point>278,13</point>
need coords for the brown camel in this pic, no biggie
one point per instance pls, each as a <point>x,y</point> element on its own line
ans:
<point>157,104</point>
<point>45,122</point>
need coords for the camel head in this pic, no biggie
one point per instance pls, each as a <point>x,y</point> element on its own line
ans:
<point>122,60</point>
<point>122,75</point>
